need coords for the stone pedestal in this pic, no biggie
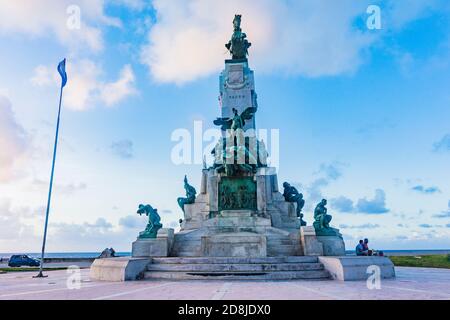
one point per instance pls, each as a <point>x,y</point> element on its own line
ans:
<point>311,246</point>
<point>235,244</point>
<point>158,247</point>
<point>118,269</point>
<point>351,268</point>
<point>332,245</point>
<point>195,213</point>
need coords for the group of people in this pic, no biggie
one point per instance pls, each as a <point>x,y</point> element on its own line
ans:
<point>362,249</point>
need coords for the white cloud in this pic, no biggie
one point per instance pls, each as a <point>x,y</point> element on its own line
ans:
<point>13,142</point>
<point>85,87</point>
<point>50,18</point>
<point>312,38</point>
<point>79,93</point>
<point>114,92</point>
<point>17,226</point>
<point>43,76</point>
<point>309,38</point>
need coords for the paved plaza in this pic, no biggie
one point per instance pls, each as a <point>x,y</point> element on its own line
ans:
<point>411,283</point>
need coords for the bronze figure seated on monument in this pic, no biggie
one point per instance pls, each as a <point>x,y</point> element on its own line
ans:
<point>291,194</point>
<point>190,195</point>
<point>322,220</point>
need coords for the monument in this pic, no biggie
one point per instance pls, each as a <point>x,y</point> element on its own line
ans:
<point>239,225</point>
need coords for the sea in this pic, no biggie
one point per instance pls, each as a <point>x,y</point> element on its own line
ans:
<point>82,255</point>
<point>125,254</point>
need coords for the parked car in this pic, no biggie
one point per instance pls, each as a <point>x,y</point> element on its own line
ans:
<point>23,260</point>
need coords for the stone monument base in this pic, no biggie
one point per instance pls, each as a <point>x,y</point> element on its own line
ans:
<point>235,244</point>
<point>350,268</point>
<point>332,245</point>
<point>118,269</point>
<point>311,246</point>
<point>158,247</point>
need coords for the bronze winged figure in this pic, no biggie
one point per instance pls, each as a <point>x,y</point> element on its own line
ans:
<point>238,121</point>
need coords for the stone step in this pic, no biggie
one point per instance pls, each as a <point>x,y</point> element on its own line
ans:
<point>187,254</point>
<point>276,242</point>
<point>284,250</point>
<point>246,222</point>
<point>217,267</point>
<point>283,246</point>
<point>236,213</point>
<point>187,244</point>
<point>278,275</point>
<point>235,260</point>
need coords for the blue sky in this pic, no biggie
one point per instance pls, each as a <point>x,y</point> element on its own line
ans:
<point>363,114</point>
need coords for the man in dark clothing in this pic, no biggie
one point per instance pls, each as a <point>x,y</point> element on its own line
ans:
<point>360,248</point>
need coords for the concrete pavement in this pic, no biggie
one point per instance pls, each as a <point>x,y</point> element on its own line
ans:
<point>411,283</point>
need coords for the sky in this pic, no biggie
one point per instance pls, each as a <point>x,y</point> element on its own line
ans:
<point>362,109</point>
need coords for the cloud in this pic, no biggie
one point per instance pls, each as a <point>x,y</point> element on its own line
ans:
<point>443,144</point>
<point>15,226</point>
<point>188,37</point>
<point>123,149</point>
<point>55,19</point>
<point>9,223</point>
<point>342,204</point>
<point>87,236</point>
<point>65,189</point>
<point>327,173</point>
<point>99,227</point>
<point>444,214</point>
<point>362,226</point>
<point>131,222</point>
<point>375,206</point>
<point>13,141</point>
<point>426,190</point>
<point>114,92</point>
<point>85,88</point>
<point>425,225</point>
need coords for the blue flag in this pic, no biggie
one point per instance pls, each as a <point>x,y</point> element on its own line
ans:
<point>62,72</point>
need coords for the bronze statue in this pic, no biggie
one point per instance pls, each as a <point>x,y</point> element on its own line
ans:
<point>154,221</point>
<point>190,195</point>
<point>291,194</point>
<point>238,121</point>
<point>238,45</point>
<point>322,219</point>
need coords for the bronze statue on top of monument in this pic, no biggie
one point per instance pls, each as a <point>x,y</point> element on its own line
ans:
<point>238,45</point>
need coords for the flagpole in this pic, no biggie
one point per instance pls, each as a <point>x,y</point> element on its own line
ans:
<point>40,274</point>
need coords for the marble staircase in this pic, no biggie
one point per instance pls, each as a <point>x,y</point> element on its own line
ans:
<point>234,268</point>
<point>221,236</point>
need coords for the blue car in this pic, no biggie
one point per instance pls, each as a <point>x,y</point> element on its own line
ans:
<point>23,260</point>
